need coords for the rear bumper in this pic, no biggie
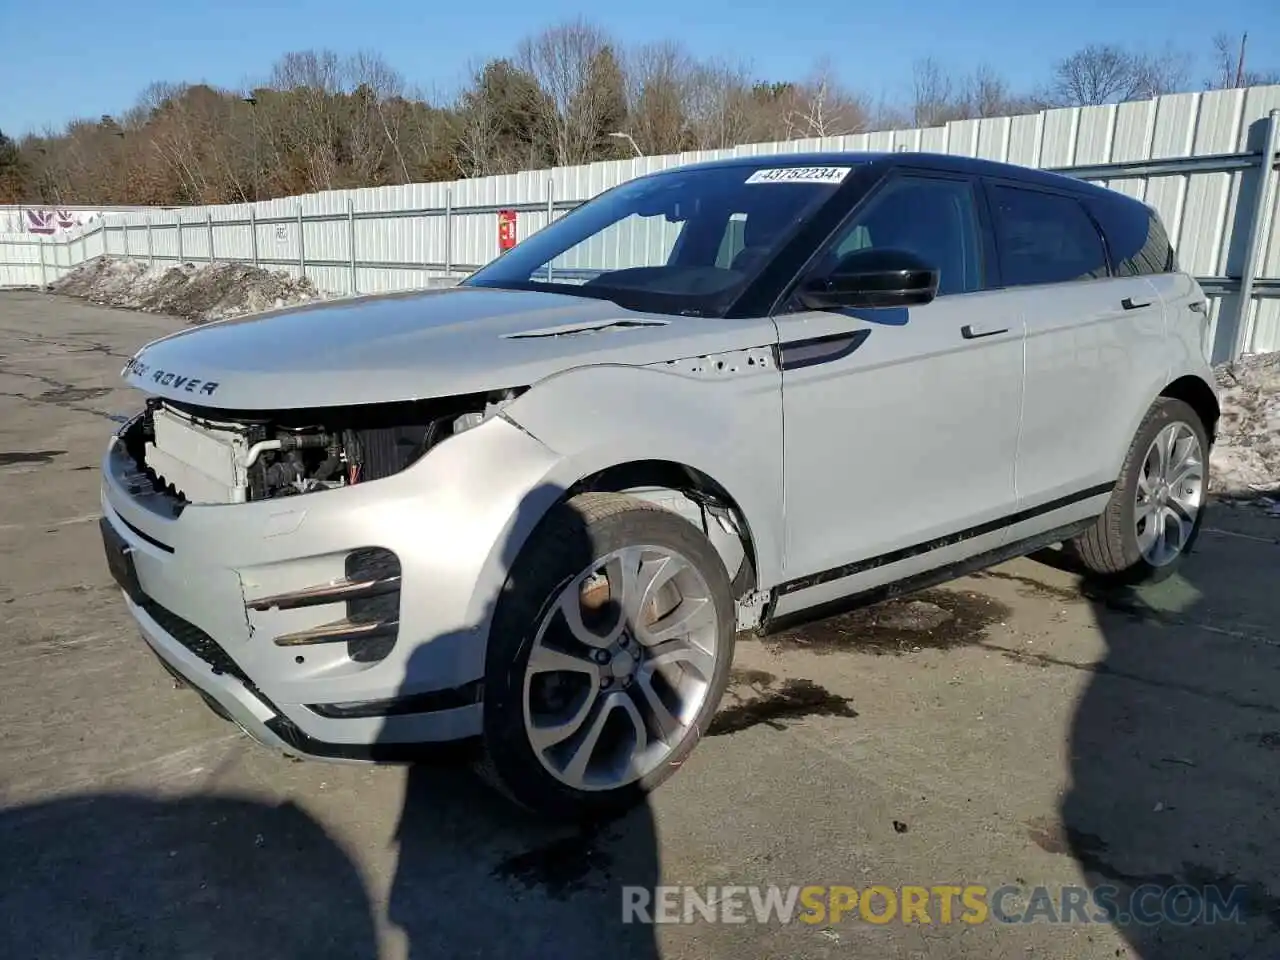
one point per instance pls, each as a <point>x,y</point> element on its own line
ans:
<point>199,576</point>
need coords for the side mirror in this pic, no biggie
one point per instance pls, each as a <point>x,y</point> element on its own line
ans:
<point>873,278</point>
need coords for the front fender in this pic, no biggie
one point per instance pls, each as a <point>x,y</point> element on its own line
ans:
<point>725,422</point>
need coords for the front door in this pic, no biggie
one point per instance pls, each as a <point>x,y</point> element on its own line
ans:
<point>901,424</point>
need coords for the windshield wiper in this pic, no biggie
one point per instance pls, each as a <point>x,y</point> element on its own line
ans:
<point>628,298</point>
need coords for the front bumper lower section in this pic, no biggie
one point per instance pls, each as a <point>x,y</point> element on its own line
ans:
<point>345,624</point>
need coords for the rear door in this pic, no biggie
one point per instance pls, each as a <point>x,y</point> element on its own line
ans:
<point>1094,348</point>
<point>1140,247</point>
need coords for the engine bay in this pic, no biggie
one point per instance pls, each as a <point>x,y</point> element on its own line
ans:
<point>203,455</point>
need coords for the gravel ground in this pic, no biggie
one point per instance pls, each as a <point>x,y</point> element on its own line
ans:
<point>1007,728</point>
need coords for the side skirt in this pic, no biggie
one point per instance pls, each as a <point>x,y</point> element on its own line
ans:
<point>921,581</point>
<point>950,540</point>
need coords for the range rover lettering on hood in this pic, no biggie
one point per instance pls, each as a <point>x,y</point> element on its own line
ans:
<point>170,378</point>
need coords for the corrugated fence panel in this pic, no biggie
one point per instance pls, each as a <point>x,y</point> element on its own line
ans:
<point>1259,101</point>
<point>20,260</point>
<point>400,237</point>
<point>1135,126</point>
<point>1057,148</point>
<point>1094,135</point>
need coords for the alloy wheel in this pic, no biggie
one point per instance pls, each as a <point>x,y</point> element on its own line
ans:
<point>620,667</point>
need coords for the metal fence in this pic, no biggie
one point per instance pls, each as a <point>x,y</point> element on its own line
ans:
<point>1205,161</point>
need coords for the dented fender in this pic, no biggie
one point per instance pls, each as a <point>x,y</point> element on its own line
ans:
<point>720,415</point>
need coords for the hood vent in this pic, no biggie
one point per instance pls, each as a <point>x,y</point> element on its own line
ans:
<point>572,329</point>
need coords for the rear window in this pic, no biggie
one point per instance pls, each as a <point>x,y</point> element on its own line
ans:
<point>1045,238</point>
<point>1138,241</point>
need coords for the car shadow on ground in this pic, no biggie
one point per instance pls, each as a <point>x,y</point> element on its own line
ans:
<point>1172,807</point>
<point>477,876</point>
<point>115,875</point>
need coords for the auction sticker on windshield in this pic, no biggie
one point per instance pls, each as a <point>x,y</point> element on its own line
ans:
<point>800,175</point>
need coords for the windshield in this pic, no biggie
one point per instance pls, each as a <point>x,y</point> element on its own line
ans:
<point>682,242</point>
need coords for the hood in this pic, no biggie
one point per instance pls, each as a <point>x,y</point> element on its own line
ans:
<point>407,346</point>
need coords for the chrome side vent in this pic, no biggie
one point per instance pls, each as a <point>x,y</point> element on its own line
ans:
<point>346,589</point>
<point>370,589</point>
<point>339,631</point>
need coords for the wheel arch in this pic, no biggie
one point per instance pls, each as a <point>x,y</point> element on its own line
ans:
<point>693,494</point>
<point>1198,395</point>
<point>680,487</point>
<point>1190,388</point>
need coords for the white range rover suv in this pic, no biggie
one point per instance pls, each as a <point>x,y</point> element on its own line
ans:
<point>531,513</point>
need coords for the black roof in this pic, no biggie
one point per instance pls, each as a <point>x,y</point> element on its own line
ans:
<point>936,161</point>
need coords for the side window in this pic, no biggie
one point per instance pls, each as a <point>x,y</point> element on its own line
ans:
<point>932,217</point>
<point>1138,241</point>
<point>1045,238</point>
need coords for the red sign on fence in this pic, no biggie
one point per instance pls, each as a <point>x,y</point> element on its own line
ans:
<point>506,229</point>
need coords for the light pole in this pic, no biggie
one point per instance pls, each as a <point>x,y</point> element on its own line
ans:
<point>253,113</point>
<point>631,140</point>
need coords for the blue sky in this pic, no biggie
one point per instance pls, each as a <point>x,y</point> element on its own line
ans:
<point>74,58</point>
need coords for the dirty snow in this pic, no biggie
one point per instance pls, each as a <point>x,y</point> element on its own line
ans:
<point>196,292</point>
<point>1246,458</point>
<point>1245,461</point>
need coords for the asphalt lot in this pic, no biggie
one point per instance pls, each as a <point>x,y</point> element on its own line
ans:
<point>1002,730</point>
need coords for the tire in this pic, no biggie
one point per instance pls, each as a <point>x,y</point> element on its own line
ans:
<point>530,620</point>
<point>1111,551</point>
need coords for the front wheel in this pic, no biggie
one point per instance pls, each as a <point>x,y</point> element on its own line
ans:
<point>609,653</point>
<point>1157,507</point>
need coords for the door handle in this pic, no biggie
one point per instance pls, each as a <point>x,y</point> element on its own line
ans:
<point>969,333</point>
<point>1129,304</point>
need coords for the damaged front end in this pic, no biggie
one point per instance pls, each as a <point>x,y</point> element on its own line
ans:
<point>202,455</point>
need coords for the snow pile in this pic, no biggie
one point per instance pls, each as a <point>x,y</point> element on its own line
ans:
<point>1246,458</point>
<point>197,292</point>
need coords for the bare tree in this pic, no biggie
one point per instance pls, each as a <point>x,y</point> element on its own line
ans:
<point>502,121</point>
<point>933,94</point>
<point>1096,74</point>
<point>1229,69</point>
<point>1162,72</point>
<point>720,106</point>
<point>479,132</point>
<point>194,134</point>
<point>821,107</point>
<point>1106,73</point>
<point>429,134</point>
<point>12,170</point>
<point>374,130</point>
<point>984,93</point>
<point>659,86</point>
<point>309,116</point>
<point>568,62</point>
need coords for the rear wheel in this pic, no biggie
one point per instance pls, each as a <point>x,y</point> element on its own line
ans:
<point>1157,507</point>
<point>609,654</point>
